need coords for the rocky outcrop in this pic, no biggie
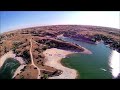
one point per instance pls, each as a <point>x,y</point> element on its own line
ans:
<point>108,41</point>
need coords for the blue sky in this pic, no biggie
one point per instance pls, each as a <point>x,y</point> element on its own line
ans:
<point>10,20</point>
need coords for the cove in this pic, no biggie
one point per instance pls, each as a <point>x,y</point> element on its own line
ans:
<point>103,63</point>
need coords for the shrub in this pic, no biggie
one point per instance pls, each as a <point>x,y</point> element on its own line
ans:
<point>26,55</point>
<point>45,76</point>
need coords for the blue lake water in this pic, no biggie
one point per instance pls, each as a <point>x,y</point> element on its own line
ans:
<point>103,63</point>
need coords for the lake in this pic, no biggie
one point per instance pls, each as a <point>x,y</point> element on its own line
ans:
<point>103,63</point>
<point>8,68</point>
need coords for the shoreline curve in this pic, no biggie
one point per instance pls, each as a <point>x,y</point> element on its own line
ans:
<point>53,58</point>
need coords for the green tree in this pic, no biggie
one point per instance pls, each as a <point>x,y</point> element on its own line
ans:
<point>45,76</point>
<point>26,54</point>
<point>45,47</point>
<point>22,77</point>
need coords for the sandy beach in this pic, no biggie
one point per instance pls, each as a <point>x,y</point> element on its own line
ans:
<point>53,57</point>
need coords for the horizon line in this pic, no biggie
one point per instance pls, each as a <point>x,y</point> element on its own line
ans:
<point>25,27</point>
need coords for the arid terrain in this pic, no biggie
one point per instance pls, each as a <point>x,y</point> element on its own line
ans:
<point>30,43</point>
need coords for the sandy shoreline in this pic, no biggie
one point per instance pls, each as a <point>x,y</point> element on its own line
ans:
<point>10,54</point>
<point>86,51</point>
<point>53,57</point>
<point>18,70</point>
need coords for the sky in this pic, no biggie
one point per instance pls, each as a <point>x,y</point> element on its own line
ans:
<point>11,20</point>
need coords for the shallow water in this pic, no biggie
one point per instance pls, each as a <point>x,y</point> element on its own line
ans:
<point>8,68</point>
<point>104,63</point>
